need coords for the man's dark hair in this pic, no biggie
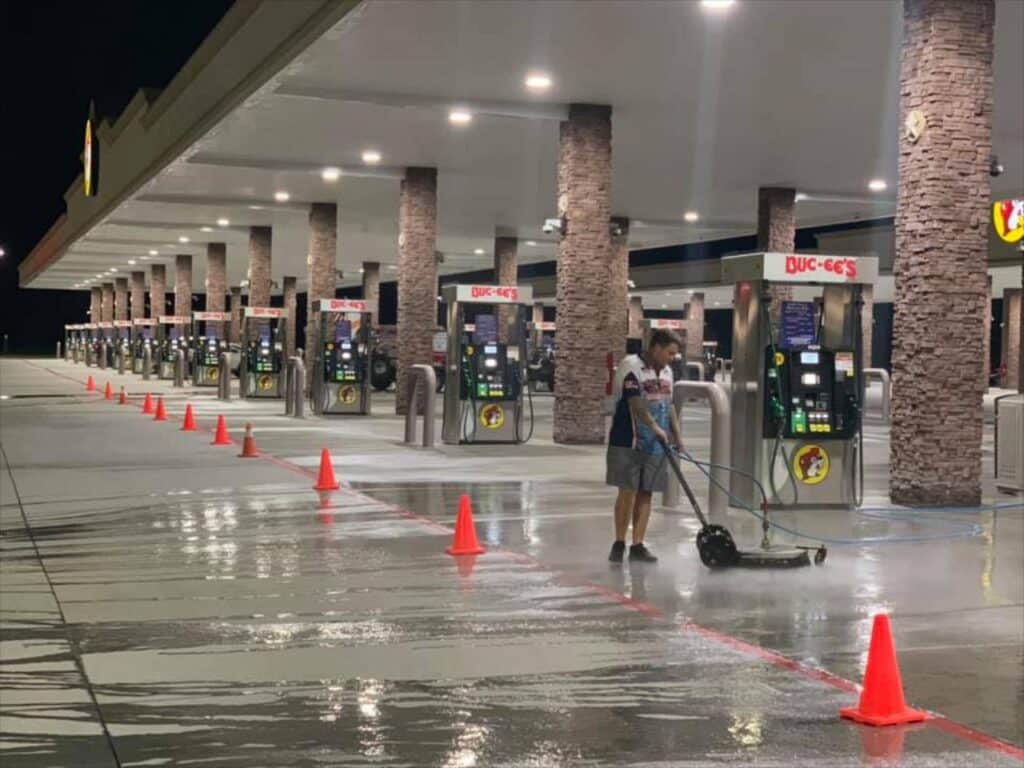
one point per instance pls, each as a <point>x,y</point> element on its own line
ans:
<point>662,337</point>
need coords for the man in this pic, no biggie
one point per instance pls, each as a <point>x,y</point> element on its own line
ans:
<point>636,457</point>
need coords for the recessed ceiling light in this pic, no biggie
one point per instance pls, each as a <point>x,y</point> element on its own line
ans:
<point>282,196</point>
<point>153,252</point>
<point>371,157</point>
<point>112,270</point>
<point>145,258</point>
<point>531,243</point>
<point>691,216</point>
<point>716,5</point>
<point>877,185</point>
<point>664,306</point>
<point>538,81</point>
<point>206,229</point>
<point>478,251</point>
<point>255,207</point>
<point>131,261</point>
<point>223,222</point>
<point>799,197</point>
<point>330,174</point>
<point>393,267</point>
<point>718,303</point>
<point>460,117</point>
<point>182,239</point>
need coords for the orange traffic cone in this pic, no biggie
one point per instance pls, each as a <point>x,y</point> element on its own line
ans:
<point>325,480</point>
<point>161,413</point>
<point>881,700</point>
<point>90,385</point>
<point>465,542</point>
<point>248,444</point>
<point>108,392</point>
<point>220,437</point>
<point>123,399</point>
<point>188,424</point>
<point>147,404</point>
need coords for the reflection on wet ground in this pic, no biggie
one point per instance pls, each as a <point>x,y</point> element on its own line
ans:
<point>224,614</point>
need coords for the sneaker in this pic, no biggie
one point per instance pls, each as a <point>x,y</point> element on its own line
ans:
<point>640,553</point>
<point>618,550</point>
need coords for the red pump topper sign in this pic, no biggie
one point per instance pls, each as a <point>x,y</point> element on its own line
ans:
<point>800,268</point>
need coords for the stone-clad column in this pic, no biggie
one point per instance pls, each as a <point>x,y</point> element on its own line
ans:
<point>506,272</point>
<point>323,250</point>
<point>138,295</point>
<point>121,298</point>
<point>695,327</point>
<point>95,304</point>
<point>617,316</point>
<point>636,317</point>
<point>1011,337</point>
<point>290,303</point>
<point>417,274</point>
<point>183,284</point>
<point>216,280</point>
<point>236,314</point>
<point>157,290</point>
<point>259,266</point>
<point>776,232</point>
<point>941,248</point>
<point>584,253</point>
<point>107,310</point>
<point>371,288</point>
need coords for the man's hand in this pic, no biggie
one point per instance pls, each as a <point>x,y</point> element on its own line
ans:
<point>659,433</point>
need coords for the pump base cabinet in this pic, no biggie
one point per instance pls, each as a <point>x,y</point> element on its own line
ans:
<point>1010,445</point>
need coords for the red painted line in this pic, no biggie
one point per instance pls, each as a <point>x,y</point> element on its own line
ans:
<point>952,727</point>
<point>982,739</point>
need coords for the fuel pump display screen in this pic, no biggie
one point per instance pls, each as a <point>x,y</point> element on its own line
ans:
<point>809,392</point>
<point>487,374</point>
<point>264,362</point>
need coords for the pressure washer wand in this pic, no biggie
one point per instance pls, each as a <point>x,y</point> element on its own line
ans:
<point>670,456</point>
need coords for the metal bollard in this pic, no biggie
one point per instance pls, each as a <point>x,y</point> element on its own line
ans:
<point>179,369</point>
<point>289,382</point>
<point>224,377</point>
<point>147,363</point>
<point>120,361</point>
<point>103,355</point>
<point>718,398</point>
<point>58,350</point>
<point>422,376</point>
<point>298,391</point>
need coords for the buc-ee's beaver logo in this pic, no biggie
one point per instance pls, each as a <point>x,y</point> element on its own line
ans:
<point>492,416</point>
<point>811,464</point>
<point>347,394</point>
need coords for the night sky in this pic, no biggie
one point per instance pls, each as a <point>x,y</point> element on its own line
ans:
<point>56,55</point>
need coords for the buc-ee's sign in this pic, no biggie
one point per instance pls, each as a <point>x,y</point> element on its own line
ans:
<point>1008,219</point>
<point>840,266</point>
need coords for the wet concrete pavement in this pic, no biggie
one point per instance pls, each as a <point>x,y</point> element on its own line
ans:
<point>171,604</point>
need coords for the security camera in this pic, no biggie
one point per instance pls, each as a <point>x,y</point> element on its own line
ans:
<point>995,168</point>
<point>550,225</point>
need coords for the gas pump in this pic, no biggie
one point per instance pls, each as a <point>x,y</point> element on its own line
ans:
<point>541,361</point>
<point>261,369</point>
<point>89,333</point>
<point>341,374</point>
<point>208,342</point>
<point>104,344</point>
<point>123,341</point>
<point>171,335</point>
<point>143,337</point>
<point>486,377</point>
<point>709,353</point>
<point>797,388</point>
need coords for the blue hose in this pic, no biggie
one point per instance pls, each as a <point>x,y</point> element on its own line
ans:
<point>920,514</point>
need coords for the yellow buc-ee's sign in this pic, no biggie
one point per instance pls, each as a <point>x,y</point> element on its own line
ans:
<point>1008,219</point>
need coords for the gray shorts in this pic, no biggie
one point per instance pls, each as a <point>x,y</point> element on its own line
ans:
<point>634,470</point>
